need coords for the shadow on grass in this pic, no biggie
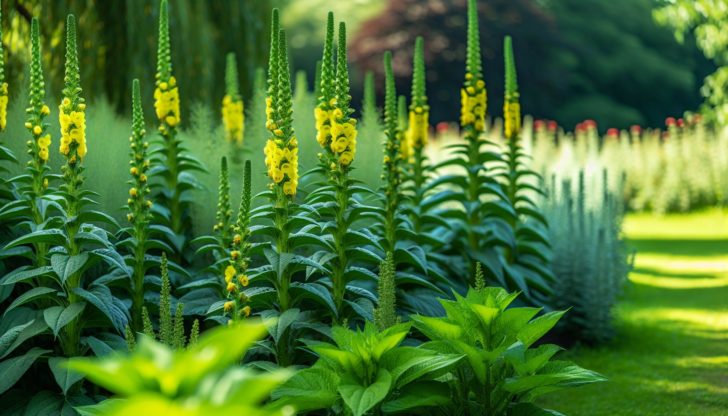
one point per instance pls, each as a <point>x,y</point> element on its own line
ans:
<point>680,247</point>
<point>649,271</point>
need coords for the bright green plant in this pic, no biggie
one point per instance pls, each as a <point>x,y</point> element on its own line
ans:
<point>385,315</point>
<point>480,211</point>
<point>369,372</point>
<point>502,372</point>
<point>64,304</point>
<point>172,163</point>
<point>224,211</point>
<point>340,202</point>
<point>139,204</point>
<point>201,380</point>
<point>528,255</point>
<point>171,328</point>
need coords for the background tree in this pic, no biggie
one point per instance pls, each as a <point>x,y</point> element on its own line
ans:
<point>707,21</point>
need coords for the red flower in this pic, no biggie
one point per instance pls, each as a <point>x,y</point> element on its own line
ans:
<point>635,129</point>
<point>552,126</point>
<point>670,121</point>
<point>613,132</point>
<point>680,123</point>
<point>538,124</point>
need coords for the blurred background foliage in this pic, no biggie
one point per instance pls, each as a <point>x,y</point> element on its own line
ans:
<point>615,61</point>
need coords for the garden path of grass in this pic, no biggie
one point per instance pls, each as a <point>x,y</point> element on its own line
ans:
<point>670,356</point>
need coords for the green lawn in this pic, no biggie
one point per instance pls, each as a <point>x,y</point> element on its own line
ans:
<point>670,356</point>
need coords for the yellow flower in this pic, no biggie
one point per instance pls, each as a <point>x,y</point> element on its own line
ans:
<point>37,130</point>
<point>229,274</point>
<point>246,311</point>
<point>233,119</point>
<point>133,192</point>
<point>45,110</point>
<point>231,287</point>
<point>228,306</point>
<point>511,118</point>
<point>243,279</point>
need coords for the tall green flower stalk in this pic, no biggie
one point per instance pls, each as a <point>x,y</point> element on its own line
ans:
<point>530,250</point>
<point>417,132</point>
<point>472,119</point>
<point>173,161</point>
<point>337,135</point>
<point>224,211</point>
<point>39,144</point>
<point>235,274</point>
<point>281,152</point>
<point>73,146</point>
<point>138,203</point>
<point>392,175</point>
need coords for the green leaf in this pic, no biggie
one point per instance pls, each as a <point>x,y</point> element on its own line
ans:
<point>113,258</point>
<point>537,328</point>
<point>58,317</point>
<point>31,295</point>
<point>310,389</point>
<point>52,236</point>
<point>37,326</point>
<point>11,335</point>
<point>103,300</point>
<point>360,399</point>
<point>24,273</point>
<point>418,395</point>
<point>14,368</point>
<point>65,265</point>
<point>64,377</point>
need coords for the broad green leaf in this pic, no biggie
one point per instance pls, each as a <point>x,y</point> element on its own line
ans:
<point>24,273</point>
<point>11,335</point>
<point>58,317</point>
<point>52,236</point>
<point>65,265</point>
<point>538,327</point>
<point>360,399</point>
<point>31,295</point>
<point>64,377</point>
<point>418,395</point>
<point>309,389</point>
<point>14,368</point>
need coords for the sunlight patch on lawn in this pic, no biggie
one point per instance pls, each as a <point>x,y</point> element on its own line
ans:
<point>679,282</point>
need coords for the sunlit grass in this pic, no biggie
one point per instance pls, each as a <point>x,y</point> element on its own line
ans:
<point>670,355</point>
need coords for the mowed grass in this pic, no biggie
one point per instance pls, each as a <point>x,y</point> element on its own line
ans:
<point>670,356</point>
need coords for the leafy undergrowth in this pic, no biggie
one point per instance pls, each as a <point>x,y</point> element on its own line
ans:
<point>670,355</point>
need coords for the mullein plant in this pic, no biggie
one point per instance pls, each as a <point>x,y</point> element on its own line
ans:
<point>173,164</point>
<point>392,175</point>
<point>233,115</point>
<point>38,145</point>
<point>235,274</point>
<point>281,156</point>
<point>481,221</point>
<point>64,300</point>
<point>171,327</point>
<point>139,205</point>
<point>529,254</point>
<point>337,200</point>
<point>224,210</point>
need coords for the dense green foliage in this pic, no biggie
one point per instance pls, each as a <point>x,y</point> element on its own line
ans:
<point>336,267</point>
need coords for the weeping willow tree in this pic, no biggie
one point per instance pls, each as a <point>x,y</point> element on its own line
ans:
<point>124,46</point>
